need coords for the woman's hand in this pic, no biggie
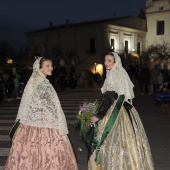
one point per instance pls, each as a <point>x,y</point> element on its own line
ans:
<point>94,119</point>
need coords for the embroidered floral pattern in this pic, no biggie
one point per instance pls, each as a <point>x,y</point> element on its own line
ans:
<point>126,146</point>
<point>40,106</point>
<point>37,148</point>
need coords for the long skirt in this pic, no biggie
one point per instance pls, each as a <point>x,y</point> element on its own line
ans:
<point>126,147</point>
<point>35,148</point>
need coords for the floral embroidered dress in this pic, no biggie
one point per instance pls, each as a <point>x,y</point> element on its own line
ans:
<point>121,141</point>
<point>41,141</point>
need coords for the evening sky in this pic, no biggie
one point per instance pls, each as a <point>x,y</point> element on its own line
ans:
<point>20,16</point>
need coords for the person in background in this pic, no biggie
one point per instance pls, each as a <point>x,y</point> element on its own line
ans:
<point>160,79</point>
<point>16,83</point>
<point>9,84</point>
<point>154,74</point>
<point>62,75</point>
<point>144,78</point>
<point>72,78</point>
<point>165,73</point>
<point>41,142</point>
<point>25,73</point>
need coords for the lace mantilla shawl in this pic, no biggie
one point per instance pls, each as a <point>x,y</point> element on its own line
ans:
<point>118,80</point>
<point>40,106</point>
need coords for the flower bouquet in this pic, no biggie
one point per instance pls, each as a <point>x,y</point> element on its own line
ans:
<point>87,110</point>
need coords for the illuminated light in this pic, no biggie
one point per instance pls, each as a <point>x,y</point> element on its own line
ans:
<point>111,47</point>
<point>95,67</point>
<point>133,49</point>
<point>99,69</point>
<point>135,55</point>
<point>9,61</point>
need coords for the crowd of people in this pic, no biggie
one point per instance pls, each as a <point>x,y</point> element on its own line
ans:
<point>12,82</point>
<point>14,79</point>
<point>150,80</point>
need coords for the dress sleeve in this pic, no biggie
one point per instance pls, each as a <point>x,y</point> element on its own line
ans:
<point>108,99</point>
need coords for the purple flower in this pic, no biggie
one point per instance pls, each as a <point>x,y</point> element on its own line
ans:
<point>83,107</point>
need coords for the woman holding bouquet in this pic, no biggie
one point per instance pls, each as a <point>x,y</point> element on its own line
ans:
<point>120,139</point>
<point>41,142</point>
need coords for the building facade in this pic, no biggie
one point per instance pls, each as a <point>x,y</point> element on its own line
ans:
<point>158,21</point>
<point>87,43</point>
<point>158,28</point>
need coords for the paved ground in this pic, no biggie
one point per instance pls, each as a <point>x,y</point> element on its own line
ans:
<point>70,100</point>
<point>156,124</point>
<point>157,127</point>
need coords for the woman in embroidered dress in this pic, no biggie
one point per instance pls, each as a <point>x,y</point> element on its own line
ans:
<point>121,142</point>
<point>41,141</point>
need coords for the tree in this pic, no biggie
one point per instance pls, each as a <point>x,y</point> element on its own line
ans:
<point>158,51</point>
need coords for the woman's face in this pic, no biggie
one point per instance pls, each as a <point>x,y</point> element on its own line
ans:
<point>109,62</point>
<point>47,68</point>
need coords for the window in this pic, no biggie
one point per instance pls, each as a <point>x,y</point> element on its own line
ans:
<point>92,45</point>
<point>112,44</point>
<point>160,27</point>
<point>126,47</point>
<point>138,48</point>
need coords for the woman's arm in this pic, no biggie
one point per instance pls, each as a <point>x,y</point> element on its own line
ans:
<point>108,99</point>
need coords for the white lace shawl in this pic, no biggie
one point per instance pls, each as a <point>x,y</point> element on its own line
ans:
<point>40,106</point>
<point>118,80</point>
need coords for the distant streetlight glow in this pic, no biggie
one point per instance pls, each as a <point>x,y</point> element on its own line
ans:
<point>9,61</point>
<point>99,69</point>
